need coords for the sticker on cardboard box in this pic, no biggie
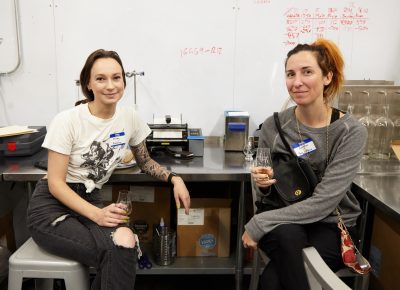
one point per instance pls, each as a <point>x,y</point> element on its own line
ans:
<point>142,193</point>
<point>208,241</point>
<point>194,218</point>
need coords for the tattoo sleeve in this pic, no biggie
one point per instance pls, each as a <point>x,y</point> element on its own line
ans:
<point>147,164</point>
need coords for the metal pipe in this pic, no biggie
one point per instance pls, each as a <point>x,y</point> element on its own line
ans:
<point>18,40</point>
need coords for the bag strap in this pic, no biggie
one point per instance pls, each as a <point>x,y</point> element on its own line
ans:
<point>278,126</point>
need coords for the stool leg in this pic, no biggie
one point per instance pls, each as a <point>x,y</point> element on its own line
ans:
<point>15,280</point>
<point>44,284</point>
<point>314,284</point>
<point>77,280</point>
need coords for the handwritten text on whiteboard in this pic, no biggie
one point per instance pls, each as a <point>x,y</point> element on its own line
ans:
<point>194,51</point>
<point>261,1</point>
<point>308,24</point>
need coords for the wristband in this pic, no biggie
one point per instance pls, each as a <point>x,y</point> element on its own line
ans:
<point>171,174</point>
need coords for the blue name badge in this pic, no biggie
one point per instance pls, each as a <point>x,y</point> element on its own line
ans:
<point>305,147</point>
<point>117,139</point>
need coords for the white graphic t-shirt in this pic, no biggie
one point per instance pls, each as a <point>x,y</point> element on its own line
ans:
<point>95,145</point>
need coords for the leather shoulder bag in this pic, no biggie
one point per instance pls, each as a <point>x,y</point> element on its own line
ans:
<point>295,177</point>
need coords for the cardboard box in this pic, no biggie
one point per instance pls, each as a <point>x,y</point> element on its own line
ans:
<point>206,230</point>
<point>150,204</point>
<point>384,254</point>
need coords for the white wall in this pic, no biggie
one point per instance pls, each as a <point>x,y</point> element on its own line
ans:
<point>245,72</point>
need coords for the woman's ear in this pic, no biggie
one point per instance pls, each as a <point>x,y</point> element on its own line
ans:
<point>328,78</point>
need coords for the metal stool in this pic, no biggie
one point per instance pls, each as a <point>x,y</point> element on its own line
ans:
<point>30,261</point>
<point>317,269</point>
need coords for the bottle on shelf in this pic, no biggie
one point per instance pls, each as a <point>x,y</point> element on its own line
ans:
<point>383,133</point>
<point>370,125</point>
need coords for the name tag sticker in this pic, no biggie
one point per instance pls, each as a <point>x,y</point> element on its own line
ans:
<point>117,139</point>
<point>305,147</point>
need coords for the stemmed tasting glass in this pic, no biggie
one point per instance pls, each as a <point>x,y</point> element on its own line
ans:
<point>263,159</point>
<point>249,149</point>
<point>124,198</point>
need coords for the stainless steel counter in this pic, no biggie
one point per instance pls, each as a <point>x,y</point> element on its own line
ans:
<point>378,182</point>
<point>381,191</point>
<point>380,167</point>
<point>21,168</point>
<point>216,165</point>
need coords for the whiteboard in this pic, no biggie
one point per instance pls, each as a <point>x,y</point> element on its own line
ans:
<point>8,37</point>
<point>200,58</point>
<point>367,32</point>
<point>184,48</point>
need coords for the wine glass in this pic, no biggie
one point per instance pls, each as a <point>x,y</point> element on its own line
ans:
<point>370,126</point>
<point>383,131</point>
<point>124,198</point>
<point>350,104</point>
<point>263,159</point>
<point>249,148</point>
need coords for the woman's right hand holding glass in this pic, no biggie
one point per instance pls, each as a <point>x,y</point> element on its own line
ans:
<point>112,215</point>
<point>261,171</point>
<point>263,176</point>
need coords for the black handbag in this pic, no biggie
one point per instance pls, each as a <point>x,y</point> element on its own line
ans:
<point>295,177</point>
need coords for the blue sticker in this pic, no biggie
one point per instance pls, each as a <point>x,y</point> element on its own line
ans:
<point>207,241</point>
<point>114,135</point>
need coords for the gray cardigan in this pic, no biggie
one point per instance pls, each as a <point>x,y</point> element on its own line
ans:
<point>346,141</point>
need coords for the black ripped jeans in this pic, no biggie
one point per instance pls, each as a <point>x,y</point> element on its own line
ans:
<point>80,239</point>
<point>284,245</point>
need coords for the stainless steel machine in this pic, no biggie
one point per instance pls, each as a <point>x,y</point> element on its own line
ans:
<point>236,130</point>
